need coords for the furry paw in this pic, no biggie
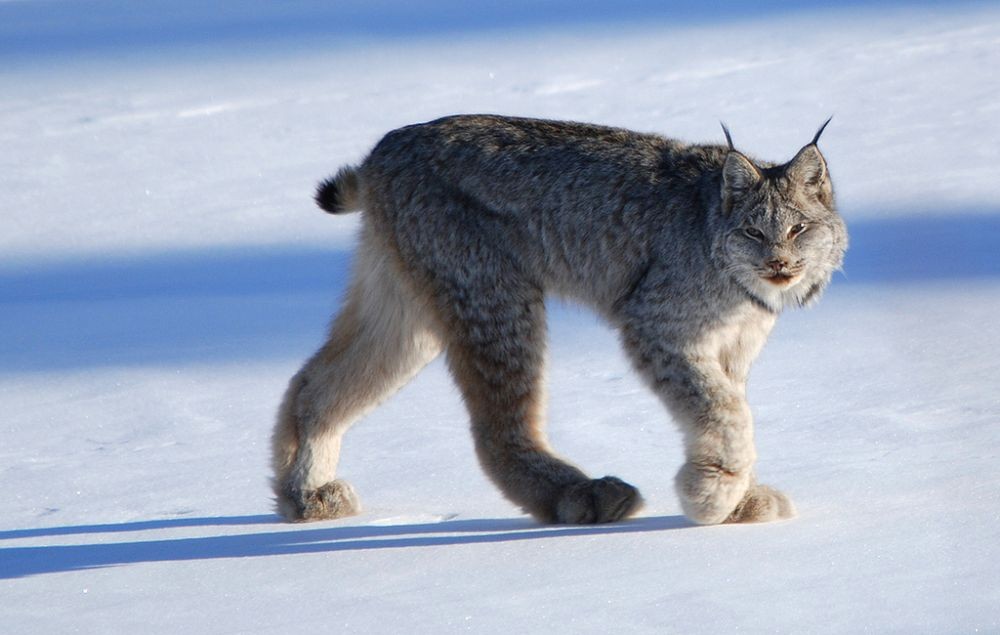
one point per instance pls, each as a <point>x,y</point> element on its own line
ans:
<point>602,500</point>
<point>333,500</point>
<point>710,493</point>
<point>762,504</point>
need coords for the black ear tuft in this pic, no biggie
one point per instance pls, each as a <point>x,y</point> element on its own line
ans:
<point>820,131</point>
<point>729,138</point>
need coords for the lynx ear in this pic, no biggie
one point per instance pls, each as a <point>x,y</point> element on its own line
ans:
<point>739,176</point>
<point>808,173</point>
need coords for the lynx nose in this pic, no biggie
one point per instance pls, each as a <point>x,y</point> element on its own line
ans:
<point>776,264</point>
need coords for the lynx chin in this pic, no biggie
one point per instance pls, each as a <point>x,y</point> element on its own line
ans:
<point>689,251</point>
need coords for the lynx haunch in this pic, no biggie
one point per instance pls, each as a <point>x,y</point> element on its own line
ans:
<point>688,251</point>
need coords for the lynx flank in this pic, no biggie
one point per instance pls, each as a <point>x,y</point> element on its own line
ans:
<point>689,251</point>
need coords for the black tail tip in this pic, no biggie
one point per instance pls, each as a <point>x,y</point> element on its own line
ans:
<point>328,196</point>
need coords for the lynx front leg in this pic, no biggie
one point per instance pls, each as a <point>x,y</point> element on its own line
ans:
<point>496,351</point>
<point>716,483</point>
<point>719,450</point>
<point>760,504</point>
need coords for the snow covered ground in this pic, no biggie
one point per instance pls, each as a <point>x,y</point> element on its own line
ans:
<point>163,273</point>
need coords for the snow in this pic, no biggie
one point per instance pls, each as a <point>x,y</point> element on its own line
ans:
<point>163,272</point>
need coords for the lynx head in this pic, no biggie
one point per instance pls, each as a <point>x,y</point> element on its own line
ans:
<point>782,238</point>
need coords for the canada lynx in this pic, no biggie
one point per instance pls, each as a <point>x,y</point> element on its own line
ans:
<point>689,251</point>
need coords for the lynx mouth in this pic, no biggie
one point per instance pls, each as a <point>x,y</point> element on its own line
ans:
<point>781,279</point>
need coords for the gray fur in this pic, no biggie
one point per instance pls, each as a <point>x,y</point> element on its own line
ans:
<point>689,251</point>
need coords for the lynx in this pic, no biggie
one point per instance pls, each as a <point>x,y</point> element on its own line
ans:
<point>688,251</point>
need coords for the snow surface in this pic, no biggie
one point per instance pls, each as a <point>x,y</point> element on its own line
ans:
<point>163,273</point>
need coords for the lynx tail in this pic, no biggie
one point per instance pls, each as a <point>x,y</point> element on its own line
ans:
<point>340,194</point>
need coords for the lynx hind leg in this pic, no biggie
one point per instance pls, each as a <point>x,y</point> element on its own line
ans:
<point>379,340</point>
<point>496,351</point>
<point>295,501</point>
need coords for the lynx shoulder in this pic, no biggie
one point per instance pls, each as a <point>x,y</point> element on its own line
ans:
<point>689,251</point>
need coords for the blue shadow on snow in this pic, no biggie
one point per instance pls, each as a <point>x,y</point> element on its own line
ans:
<point>924,248</point>
<point>182,307</point>
<point>19,562</point>
<point>66,27</point>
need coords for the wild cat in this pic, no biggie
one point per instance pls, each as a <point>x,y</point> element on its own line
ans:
<point>689,251</point>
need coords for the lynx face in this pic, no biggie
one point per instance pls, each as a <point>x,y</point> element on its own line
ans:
<point>784,240</point>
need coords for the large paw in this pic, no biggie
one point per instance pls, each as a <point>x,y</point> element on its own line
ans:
<point>709,493</point>
<point>762,504</point>
<point>333,500</point>
<point>602,500</point>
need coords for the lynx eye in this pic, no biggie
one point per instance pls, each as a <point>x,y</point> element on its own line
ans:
<point>797,229</point>
<point>754,233</point>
